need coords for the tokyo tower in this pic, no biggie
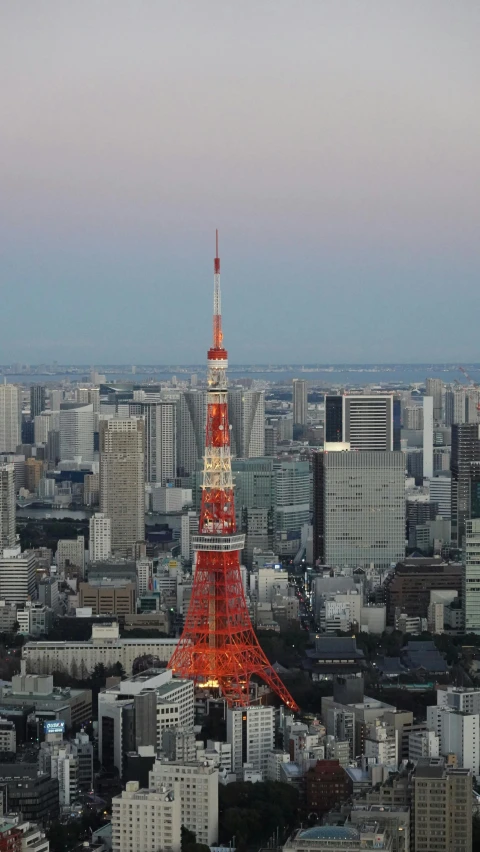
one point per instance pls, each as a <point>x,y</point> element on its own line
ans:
<point>218,646</point>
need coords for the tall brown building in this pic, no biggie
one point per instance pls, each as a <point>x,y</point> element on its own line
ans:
<point>465,450</point>
<point>413,579</point>
<point>442,807</point>
<point>327,785</point>
<point>122,481</point>
<point>33,474</point>
<point>109,597</point>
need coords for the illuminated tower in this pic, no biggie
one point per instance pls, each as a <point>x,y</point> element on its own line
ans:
<point>218,646</point>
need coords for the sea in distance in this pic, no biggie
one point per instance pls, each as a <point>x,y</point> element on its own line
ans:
<point>320,375</point>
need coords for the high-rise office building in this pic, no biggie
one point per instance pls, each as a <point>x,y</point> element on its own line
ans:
<point>17,575</point>
<point>363,421</point>
<point>10,418</point>
<point>455,406</point>
<point>246,413</point>
<point>191,420</point>
<point>434,388</point>
<point>427,437</point>
<point>442,807</point>
<point>465,450</point>
<point>37,400</point>
<point>76,427</point>
<point>100,537</point>
<point>7,506</point>
<point>255,504</point>
<point>292,497</point>
<point>359,508</point>
<point>300,404</point>
<point>122,481</point>
<point>471,577</point>
<point>251,734</point>
<point>160,438</point>
<point>441,494</point>
<point>459,734</point>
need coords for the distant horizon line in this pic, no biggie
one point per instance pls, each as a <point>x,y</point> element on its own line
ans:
<point>269,365</point>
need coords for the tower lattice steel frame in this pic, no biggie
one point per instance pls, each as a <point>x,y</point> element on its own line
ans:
<point>218,646</point>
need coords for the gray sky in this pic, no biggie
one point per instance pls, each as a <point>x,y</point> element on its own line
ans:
<point>334,143</point>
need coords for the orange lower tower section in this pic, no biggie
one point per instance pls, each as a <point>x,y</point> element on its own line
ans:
<point>218,646</point>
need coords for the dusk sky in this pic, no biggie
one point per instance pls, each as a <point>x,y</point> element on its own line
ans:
<point>334,143</point>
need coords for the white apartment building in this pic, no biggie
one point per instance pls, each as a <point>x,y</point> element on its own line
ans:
<point>459,698</point>
<point>198,787</point>
<point>266,582</point>
<point>100,537</point>
<point>76,427</point>
<point>33,837</point>
<point>144,570</point>
<point>61,761</point>
<point>105,647</point>
<point>471,577</point>
<point>275,760</point>
<point>146,820</point>
<point>381,744</point>
<point>17,575</point>
<point>43,423</point>
<point>189,528</point>
<point>10,418</point>
<point>71,553</point>
<point>440,488</point>
<point>251,733</point>
<point>459,734</point>
<point>8,506</point>
<point>423,744</point>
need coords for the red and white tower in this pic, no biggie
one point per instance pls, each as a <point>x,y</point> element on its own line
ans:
<point>218,646</point>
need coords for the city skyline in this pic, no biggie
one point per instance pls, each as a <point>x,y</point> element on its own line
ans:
<point>344,196</point>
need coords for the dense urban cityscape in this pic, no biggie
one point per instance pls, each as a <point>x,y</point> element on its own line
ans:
<point>239,536</point>
<point>239,615</point>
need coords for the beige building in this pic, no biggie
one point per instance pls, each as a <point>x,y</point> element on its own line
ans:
<point>108,597</point>
<point>8,506</point>
<point>33,474</point>
<point>71,553</point>
<point>198,787</point>
<point>105,647</point>
<point>122,481</point>
<point>146,820</point>
<point>442,807</point>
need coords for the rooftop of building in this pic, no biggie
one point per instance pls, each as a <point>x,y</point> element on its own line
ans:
<point>330,832</point>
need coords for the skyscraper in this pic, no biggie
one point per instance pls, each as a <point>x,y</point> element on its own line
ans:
<point>37,400</point>
<point>191,420</point>
<point>363,421</point>
<point>359,508</point>
<point>455,406</point>
<point>7,506</point>
<point>300,406</point>
<point>434,388</point>
<point>122,481</point>
<point>471,577</point>
<point>246,412</point>
<point>76,427</point>
<point>465,450</point>
<point>160,439</point>
<point>428,437</point>
<point>10,418</point>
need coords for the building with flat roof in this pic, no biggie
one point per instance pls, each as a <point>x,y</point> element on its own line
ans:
<point>146,820</point>
<point>409,585</point>
<point>198,786</point>
<point>442,807</point>
<point>49,702</point>
<point>104,647</point>
<point>108,597</point>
